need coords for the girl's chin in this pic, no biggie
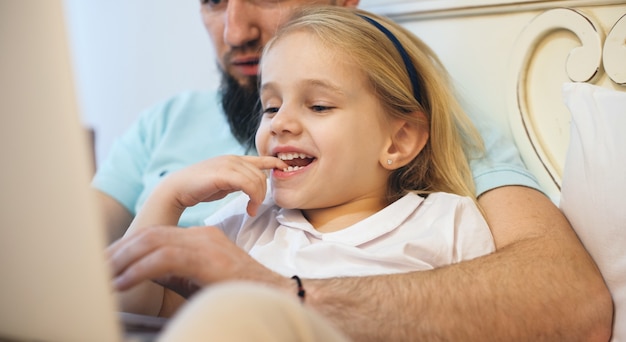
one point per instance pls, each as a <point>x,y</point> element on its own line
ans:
<point>286,198</point>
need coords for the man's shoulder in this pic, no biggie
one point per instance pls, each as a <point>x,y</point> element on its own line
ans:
<point>190,102</point>
<point>196,97</point>
<point>188,106</point>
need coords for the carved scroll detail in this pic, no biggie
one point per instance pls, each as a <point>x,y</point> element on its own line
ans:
<point>582,64</point>
<point>614,57</point>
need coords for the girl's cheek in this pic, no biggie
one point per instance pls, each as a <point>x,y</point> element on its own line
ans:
<point>261,138</point>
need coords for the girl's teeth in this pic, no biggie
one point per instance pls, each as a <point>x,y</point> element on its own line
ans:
<point>292,168</point>
<point>291,156</point>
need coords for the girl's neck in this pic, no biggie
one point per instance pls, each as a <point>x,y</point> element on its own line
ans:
<point>336,218</point>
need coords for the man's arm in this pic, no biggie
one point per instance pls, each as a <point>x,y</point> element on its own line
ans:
<point>539,285</point>
<point>115,216</point>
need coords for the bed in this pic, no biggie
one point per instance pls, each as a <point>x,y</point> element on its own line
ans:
<point>552,75</point>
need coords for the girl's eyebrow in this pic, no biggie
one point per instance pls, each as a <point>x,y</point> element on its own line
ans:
<point>317,83</point>
<point>311,83</point>
<point>266,86</point>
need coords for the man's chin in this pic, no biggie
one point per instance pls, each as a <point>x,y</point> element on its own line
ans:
<point>245,81</point>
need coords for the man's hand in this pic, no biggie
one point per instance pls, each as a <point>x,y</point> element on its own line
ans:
<point>183,260</point>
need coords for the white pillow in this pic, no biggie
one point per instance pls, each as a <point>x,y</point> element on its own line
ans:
<point>593,192</point>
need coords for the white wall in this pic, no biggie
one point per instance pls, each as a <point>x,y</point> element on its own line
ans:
<point>129,55</point>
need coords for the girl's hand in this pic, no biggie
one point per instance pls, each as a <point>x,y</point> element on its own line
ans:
<point>215,178</point>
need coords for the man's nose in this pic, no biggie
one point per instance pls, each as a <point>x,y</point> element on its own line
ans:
<point>240,27</point>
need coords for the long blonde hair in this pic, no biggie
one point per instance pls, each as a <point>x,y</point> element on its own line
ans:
<point>443,164</point>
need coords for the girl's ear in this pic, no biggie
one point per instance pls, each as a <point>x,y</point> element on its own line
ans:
<point>406,142</point>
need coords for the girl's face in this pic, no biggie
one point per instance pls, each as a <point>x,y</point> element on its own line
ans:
<point>320,115</point>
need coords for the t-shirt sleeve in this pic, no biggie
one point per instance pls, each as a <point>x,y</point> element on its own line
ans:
<point>237,225</point>
<point>121,174</point>
<point>472,235</point>
<point>501,165</point>
<point>231,217</point>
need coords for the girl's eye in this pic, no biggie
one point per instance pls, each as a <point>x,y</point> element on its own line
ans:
<point>319,108</point>
<point>270,110</point>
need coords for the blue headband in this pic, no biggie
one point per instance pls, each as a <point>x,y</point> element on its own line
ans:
<point>410,68</point>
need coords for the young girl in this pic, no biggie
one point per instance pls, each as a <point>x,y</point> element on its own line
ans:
<point>367,151</point>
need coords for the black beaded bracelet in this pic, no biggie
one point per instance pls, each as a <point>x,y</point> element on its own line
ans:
<point>301,292</point>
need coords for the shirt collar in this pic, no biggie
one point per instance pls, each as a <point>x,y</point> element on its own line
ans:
<point>382,222</point>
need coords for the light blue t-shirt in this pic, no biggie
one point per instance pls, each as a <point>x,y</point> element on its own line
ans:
<point>191,127</point>
<point>181,131</point>
<point>502,164</point>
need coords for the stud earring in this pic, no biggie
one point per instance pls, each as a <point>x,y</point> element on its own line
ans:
<point>389,161</point>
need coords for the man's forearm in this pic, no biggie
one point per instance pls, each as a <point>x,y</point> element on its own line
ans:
<point>116,218</point>
<point>522,293</point>
<point>541,285</point>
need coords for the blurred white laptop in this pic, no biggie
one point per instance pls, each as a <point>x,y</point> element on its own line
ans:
<point>55,283</point>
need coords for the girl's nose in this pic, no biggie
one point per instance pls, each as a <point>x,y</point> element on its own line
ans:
<point>285,121</point>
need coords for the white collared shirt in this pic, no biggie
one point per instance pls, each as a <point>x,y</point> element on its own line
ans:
<point>410,234</point>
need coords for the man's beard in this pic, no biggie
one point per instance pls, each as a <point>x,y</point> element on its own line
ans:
<point>242,107</point>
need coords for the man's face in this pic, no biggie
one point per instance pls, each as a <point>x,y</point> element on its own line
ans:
<point>240,28</point>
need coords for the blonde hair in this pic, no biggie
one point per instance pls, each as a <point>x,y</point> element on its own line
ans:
<point>443,164</point>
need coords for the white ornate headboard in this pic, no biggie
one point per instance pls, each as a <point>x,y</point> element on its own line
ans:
<point>510,59</point>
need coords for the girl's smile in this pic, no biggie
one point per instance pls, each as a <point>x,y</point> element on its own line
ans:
<point>295,160</point>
